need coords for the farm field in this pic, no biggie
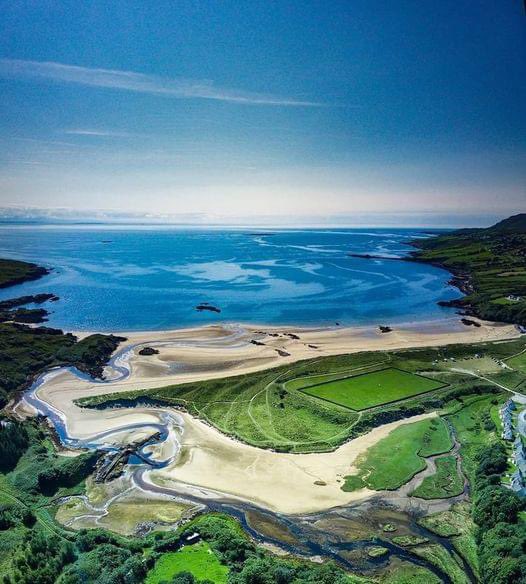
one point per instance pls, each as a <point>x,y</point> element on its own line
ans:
<point>197,559</point>
<point>396,459</point>
<point>368,390</point>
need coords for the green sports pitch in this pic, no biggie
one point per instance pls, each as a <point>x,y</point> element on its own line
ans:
<point>369,390</point>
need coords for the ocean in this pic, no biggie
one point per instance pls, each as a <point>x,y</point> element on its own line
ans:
<point>125,278</point>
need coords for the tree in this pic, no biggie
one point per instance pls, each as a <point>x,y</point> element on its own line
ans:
<point>184,578</point>
<point>495,504</point>
<point>502,554</point>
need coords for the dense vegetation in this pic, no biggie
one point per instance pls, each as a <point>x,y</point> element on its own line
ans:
<point>496,510</point>
<point>13,443</point>
<point>489,266</point>
<point>26,352</point>
<point>15,272</point>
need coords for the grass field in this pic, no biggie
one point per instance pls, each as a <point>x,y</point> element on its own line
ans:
<point>396,459</point>
<point>372,389</point>
<point>518,362</point>
<point>197,559</point>
<point>446,482</point>
<point>267,409</point>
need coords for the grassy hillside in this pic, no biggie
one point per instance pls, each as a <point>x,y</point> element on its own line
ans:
<point>489,265</point>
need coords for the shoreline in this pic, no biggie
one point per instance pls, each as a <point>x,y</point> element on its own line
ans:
<point>303,342</point>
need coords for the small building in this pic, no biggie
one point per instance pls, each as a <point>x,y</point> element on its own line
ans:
<point>517,482</point>
<point>513,298</point>
<point>508,407</point>
<point>519,455</point>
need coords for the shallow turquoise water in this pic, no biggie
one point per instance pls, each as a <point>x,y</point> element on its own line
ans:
<point>133,278</point>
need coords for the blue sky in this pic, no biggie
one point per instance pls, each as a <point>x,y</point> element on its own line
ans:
<point>271,111</point>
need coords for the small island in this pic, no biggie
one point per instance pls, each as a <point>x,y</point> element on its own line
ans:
<point>205,306</point>
<point>147,351</point>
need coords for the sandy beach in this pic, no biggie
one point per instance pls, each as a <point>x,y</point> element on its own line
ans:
<point>284,483</point>
<point>216,351</point>
<point>213,462</point>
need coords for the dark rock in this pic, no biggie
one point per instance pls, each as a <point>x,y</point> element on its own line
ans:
<point>23,300</point>
<point>469,322</point>
<point>31,316</point>
<point>205,306</point>
<point>148,351</point>
<point>368,256</point>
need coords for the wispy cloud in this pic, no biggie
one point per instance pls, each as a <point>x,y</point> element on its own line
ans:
<point>140,83</point>
<point>97,133</point>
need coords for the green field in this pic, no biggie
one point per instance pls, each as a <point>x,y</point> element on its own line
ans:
<point>197,559</point>
<point>446,482</point>
<point>395,459</point>
<point>518,362</point>
<point>266,408</point>
<point>368,390</point>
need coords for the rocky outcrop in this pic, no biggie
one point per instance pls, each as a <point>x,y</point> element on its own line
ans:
<point>147,351</point>
<point>205,306</point>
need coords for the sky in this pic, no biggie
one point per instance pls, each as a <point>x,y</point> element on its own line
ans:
<point>313,112</point>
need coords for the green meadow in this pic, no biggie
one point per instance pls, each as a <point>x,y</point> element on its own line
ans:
<point>198,559</point>
<point>395,459</point>
<point>446,482</point>
<point>368,390</point>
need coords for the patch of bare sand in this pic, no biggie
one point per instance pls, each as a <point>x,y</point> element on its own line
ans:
<point>284,483</point>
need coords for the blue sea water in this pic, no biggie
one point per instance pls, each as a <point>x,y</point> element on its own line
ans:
<point>151,278</point>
